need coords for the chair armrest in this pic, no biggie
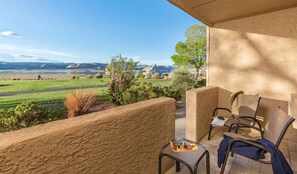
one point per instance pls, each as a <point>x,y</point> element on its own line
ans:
<point>237,124</point>
<point>247,142</point>
<point>219,108</point>
<point>238,136</point>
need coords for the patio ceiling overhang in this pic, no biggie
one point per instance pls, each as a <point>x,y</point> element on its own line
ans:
<point>212,12</point>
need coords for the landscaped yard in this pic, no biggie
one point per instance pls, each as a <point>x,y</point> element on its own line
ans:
<point>54,90</point>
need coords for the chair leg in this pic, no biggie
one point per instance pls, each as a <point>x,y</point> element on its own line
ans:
<point>225,162</point>
<point>177,166</point>
<point>207,163</point>
<point>160,164</point>
<point>210,130</point>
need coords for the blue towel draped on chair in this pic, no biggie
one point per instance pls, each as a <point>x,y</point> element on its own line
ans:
<point>278,161</point>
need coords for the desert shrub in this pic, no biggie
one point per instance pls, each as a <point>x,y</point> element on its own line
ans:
<point>74,77</point>
<point>138,92</point>
<point>156,76</point>
<point>90,76</point>
<point>121,71</point>
<point>167,91</point>
<point>148,75</point>
<point>23,115</point>
<point>145,90</point>
<point>53,110</point>
<point>200,83</point>
<point>99,76</point>
<point>8,119</point>
<point>140,74</point>
<point>182,80</point>
<point>79,102</point>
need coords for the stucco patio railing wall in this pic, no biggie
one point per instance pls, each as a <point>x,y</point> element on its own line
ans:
<point>124,139</point>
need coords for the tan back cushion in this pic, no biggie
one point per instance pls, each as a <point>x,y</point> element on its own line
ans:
<point>245,105</point>
<point>276,124</point>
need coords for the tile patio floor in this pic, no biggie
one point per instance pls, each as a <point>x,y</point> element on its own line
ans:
<point>236,164</point>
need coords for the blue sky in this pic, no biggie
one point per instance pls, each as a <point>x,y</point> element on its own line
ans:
<point>90,30</point>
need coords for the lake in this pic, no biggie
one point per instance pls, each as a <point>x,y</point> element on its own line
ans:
<point>56,71</point>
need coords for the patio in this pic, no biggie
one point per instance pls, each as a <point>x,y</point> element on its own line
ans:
<point>252,48</point>
<point>237,164</point>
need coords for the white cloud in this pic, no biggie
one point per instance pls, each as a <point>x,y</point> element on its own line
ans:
<point>28,53</point>
<point>10,34</point>
<point>29,49</point>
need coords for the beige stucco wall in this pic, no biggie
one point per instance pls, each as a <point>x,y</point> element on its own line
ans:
<point>124,139</point>
<point>200,105</point>
<point>258,55</point>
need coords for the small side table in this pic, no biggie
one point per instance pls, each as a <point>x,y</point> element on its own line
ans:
<point>189,159</point>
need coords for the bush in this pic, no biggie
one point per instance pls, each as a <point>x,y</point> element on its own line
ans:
<point>156,76</point>
<point>140,74</point>
<point>23,115</point>
<point>200,83</point>
<point>144,91</point>
<point>167,91</point>
<point>74,77</point>
<point>148,75</point>
<point>182,80</point>
<point>8,119</point>
<point>99,76</point>
<point>138,92</point>
<point>79,102</point>
<point>53,111</point>
<point>90,76</point>
<point>122,76</point>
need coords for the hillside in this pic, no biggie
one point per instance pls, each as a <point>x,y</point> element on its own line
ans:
<point>40,65</point>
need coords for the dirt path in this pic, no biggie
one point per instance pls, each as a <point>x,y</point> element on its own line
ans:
<point>48,90</point>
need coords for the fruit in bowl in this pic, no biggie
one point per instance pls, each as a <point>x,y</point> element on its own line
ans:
<point>178,146</point>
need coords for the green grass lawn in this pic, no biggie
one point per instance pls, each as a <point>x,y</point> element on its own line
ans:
<point>44,97</point>
<point>29,85</point>
<point>54,96</point>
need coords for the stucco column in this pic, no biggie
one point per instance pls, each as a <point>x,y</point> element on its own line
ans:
<point>200,104</point>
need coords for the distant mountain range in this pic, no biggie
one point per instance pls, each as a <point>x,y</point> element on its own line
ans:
<point>40,66</point>
<point>83,66</point>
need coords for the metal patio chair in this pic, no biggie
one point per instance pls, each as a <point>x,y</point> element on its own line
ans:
<point>274,131</point>
<point>241,104</point>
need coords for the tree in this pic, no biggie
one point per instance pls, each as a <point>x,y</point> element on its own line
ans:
<point>121,71</point>
<point>182,80</point>
<point>193,51</point>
